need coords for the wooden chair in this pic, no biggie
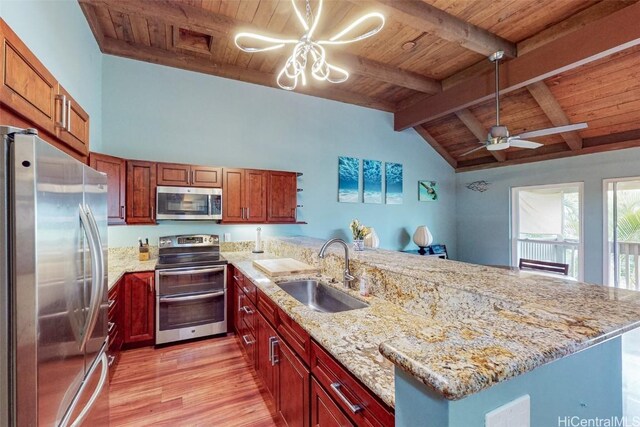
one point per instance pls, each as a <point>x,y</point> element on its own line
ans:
<point>551,267</point>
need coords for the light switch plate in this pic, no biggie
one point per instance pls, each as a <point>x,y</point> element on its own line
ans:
<point>227,237</point>
<point>516,413</point>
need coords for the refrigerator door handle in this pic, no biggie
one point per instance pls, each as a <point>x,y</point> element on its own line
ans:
<point>103,362</point>
<point>96,267</point>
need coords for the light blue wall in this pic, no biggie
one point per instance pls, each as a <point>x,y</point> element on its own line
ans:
<point>586,385</point>
<point>483,219</point>
<point>58,34</point>
<point>164,114</point>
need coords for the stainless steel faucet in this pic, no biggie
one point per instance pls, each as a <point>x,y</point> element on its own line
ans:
<point>347,278</point>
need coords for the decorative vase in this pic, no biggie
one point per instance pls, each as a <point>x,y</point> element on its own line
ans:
<point>358,245</point>
<point>372,240</point>
<point>422,237</point>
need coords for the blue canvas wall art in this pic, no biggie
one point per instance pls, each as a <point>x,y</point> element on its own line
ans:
<point>348,179</point>
<point>372,181</point>
<point>394,183</point>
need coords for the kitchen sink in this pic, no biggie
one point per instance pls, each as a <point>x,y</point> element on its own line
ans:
<point>320,297</point>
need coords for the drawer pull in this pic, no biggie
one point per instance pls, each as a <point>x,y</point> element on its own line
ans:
<point>111,360</point>
<point>246,309</point>
<point>246,290</point>
<point>247,341</point>
<point>236,278</point>
<point>353,408</point>
<point>110,327</point>
<point>111,302</point>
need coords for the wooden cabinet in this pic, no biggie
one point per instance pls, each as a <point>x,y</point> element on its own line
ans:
<point>32,97</point>
<point>115,326</point>
<point>355,400</point>
<point>116,170</point>
<point>74,129</point>
<point>265,363</point>
<point>179,175</point>
<point>244,195</point>
<point>283,196</point>
<point>324,411</point>
<point>141,192</point>
<point>292,386</point>
<point>139,309</point>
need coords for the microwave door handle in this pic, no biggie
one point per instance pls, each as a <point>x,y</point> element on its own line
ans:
<point>210,204</point>
<point>95,271</point>
<point>192,271</point>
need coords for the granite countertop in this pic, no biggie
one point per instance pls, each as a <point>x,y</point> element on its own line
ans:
<point>125,260</point>
<point>458,328</point>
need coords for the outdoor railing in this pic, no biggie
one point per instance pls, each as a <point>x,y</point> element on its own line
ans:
<point>628,269</point>
<point>550,250</point>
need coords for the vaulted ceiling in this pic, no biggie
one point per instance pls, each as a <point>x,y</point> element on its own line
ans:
<point>567,61</point>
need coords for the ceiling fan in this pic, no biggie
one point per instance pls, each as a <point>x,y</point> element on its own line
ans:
<point>499,138</point>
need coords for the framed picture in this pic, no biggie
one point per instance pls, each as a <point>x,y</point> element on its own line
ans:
<point>393,181</point>
<point>348,179</point>
<point>372,181</point>
<point>427,191</point>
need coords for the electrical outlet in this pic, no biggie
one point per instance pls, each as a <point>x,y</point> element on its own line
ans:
<point>227,237</point>
<point>516,413</point>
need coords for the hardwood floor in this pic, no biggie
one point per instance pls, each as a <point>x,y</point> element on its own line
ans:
<point>202,383</point>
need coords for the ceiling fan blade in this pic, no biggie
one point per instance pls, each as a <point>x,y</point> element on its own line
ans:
<point>552,131</point>
<point>471,151</point>
<point>497,146</point>
<point>523,143</point>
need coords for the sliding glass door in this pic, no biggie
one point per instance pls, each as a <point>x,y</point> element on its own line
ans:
<point>546,225</point>
<point>622,233</point>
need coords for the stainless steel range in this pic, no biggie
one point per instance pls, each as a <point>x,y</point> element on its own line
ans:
<point>191,296</point>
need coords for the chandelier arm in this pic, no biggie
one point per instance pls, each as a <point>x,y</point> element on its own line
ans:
<point>345,74</point>
<point>336,39</point>
<point>276,43</point>
<point>316,19</point>
<point>299,15</point>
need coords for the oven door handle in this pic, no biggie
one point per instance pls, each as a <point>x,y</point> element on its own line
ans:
<point>192,297</point>
<point>195,270</point>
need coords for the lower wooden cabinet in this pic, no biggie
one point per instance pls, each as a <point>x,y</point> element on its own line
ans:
<point>139,309</point>
<point>324,411</point>
<point>292,389</point>
<point>266,364</point>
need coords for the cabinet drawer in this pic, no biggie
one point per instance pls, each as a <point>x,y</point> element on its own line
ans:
<point>352,397</point>
<point>250,290</point>
<point>249,315</point>
<point>297,338</point>
<point>248,344</point>
<point>324,411</point>
<point>267,307</point>
<point>113,309</point>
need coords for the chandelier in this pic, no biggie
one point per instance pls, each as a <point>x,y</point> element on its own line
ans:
<point>307,50</point>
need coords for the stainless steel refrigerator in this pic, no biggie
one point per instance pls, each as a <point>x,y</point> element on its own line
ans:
<point>53,293</point>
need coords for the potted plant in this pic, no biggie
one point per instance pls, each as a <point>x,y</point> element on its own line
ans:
<point>359,232</point>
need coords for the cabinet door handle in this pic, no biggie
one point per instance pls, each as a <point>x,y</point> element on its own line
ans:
<point>353,408</point>
<point>247,213</point>
<point>193,177</point>
<point>63,114</point>
<point>247,310</point>
<point>247,341</point>
<point>273,341</point>
<point>122,212</point>
<point>69,116</point>
<point>150,282</point>
<point>152,213</point>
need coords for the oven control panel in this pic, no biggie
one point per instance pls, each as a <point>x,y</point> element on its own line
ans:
<point>189,240</point>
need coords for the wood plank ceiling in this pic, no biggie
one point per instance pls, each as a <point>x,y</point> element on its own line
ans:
<point>442,85</point>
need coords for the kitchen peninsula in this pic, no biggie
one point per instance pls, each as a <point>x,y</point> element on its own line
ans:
<point>450,341</point>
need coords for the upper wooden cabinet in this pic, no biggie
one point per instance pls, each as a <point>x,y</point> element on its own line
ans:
<point>180,175</point>
<point>283,196</point>
<point>29,91</point>
<point>244,195</point>
<point>141,192</point>
<point>116,170</point>
<point>74,126</point>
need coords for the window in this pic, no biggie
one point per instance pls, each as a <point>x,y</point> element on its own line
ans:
<point>546,225</point>
<point>622,233</point>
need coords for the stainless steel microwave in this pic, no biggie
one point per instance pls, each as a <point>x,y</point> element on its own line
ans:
<point>188,203</point>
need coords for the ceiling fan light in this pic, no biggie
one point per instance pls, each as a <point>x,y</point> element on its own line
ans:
<point>498,146</point>
<point>499,132</point>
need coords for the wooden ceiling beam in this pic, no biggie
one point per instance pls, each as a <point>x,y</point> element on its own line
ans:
<point>478,130</point>
<point>202,20</point>
<point>549,104</point>
<point>424,17</point>
<point>206,66</point>
<point>598,144</point>
<point>436,146</point>
<point>599,39</point>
